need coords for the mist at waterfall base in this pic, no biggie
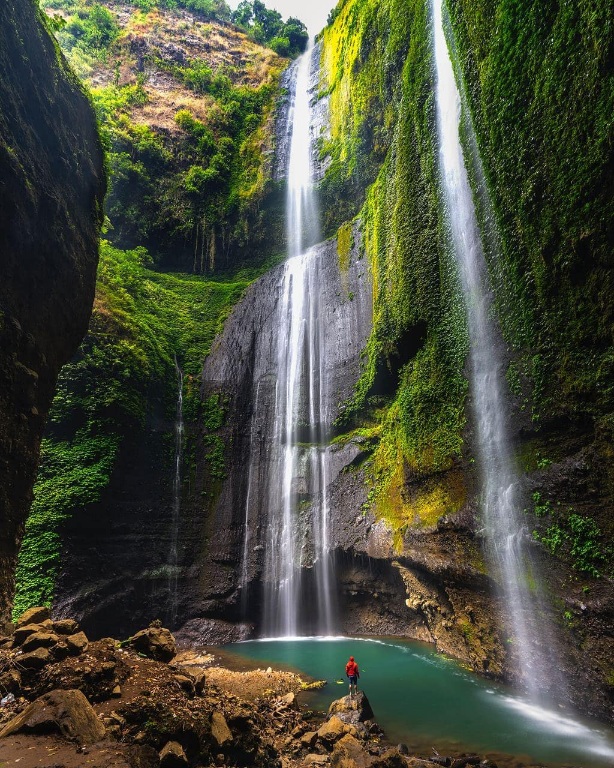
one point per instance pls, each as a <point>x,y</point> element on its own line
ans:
<point>425,700</point>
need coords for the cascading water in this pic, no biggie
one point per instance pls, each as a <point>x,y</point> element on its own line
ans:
<point>298,515</point>
<point>501,508</point>
<point>173,559</point>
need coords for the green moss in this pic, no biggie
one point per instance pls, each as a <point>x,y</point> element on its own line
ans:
<point>143,321</point>
<point>72,474</point>
<point>526,63</point>
<point>345,242</point>
<point>574,537</point>
<point>362,57</point>
<point>378,54</point>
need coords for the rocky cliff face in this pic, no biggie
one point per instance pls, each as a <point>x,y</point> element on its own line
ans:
<point>51,190</point>
<point>412,563</point>
<point>403,482</point>
<point>242,372</point>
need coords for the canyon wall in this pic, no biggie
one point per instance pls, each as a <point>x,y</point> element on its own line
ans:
<point>407,535</point>
<point>407,531</point>
<point>52,185</point>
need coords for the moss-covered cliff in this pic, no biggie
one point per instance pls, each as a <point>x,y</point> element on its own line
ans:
<point>412,386</point>
<point>550,264</point>
<point>51,190</point>
<point>405,489</point>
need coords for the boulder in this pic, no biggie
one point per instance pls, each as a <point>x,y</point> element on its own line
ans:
<point>333,730</point>
<point>185,683</point>
<point>39,640</point>
<point>348,753</point>
<point>219,729</point>
<point>173,756</point>
<point>66,712</point>
<point>352,709</point>
<point>316,760</point>
<point>309,739</point>
<point>34,660</point>
<point>200,680</point>
<point>155,642</point>
<point>65,627</point>
<point>142,756</point>
<point>60,651</point>
<point>10,681</point>
<point>390,759</point>
<point>289,700</point>
<point>33,616</point>
<point>76,643</point>
<point>21,633</point>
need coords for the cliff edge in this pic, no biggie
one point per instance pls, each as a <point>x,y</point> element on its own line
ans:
<point>52,184</point>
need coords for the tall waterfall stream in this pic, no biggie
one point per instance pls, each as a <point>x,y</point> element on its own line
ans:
<point>500,503</point>
<point>298,510</point>
<point>287,512</point>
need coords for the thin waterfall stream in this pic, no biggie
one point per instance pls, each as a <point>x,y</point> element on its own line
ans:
<point>173,559</point>
<point>506,538</point>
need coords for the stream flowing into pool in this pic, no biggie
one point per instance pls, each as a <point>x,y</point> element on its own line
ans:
<point>425,700</point>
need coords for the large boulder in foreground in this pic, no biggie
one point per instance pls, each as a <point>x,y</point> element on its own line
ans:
<point>352,709</point>
<point>66,712</point>
<point>156,642</point>
<point>36,615</point>
<point>52,186</point>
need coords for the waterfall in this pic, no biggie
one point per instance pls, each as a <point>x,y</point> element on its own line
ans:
<point>506,537</point>
<point>297,569</point>
<point>173,559</point>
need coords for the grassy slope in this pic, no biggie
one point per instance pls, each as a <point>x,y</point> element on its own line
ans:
<point>186,105</point>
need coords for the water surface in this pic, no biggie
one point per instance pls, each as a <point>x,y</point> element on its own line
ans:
<point>425,700</point>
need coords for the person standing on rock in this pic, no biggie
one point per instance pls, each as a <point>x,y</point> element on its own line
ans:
<point>351,670</point>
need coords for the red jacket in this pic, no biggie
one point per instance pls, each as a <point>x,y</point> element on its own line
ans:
<point>351,669</point>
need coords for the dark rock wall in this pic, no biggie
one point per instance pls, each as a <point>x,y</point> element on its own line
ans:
<point>51,188</point>
<point>242,368</point>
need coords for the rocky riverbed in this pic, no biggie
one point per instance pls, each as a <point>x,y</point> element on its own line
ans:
<point>70,703</point>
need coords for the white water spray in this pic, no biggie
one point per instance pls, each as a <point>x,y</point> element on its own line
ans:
<point>500,501</point>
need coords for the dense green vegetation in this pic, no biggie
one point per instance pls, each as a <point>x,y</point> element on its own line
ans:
<point>363,56</point>
<point>378,63</point>
<point>193,191</point>
<point>143,322</point>
<point>546,69</point>
<point>194,195</point>
<point>551,181</point>
<point>267,27</point>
